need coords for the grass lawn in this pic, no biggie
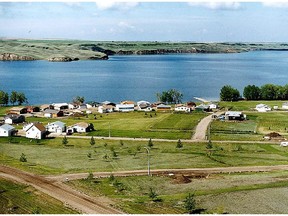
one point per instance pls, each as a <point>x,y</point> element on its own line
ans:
<point>257,125</point>
<point>23,199</point>
<point>51,157</point>
<point>132,193</point>
<point>248,105</point>
<point>137,124</point>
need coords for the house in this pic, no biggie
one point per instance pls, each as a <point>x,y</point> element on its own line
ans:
<point>213,106</point>
<point>234,115</point>
<point>108,103</point>
<point>60,106</point>
<point>32,109</point>
<point>50,113</point>
<point>124,107</point>
<point>72,105</point>
<point>18,110</point>
<point>144,106</point>
<point>7,130</point>
<point>203,108</point>
<point>46,106</point>
<point>106,108</point>
<point>14,119</point>
<point>56,127</point>
<point>191,105</point>
<point>263,108</point>
<point>127,102</point>
<point>163,107</point>
<point>182,108</point>
<point>285,105</point>
<point>35,131</point>
<point>80,127</point>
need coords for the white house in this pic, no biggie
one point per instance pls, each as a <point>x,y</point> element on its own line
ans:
<point>124,107</point>
<point>6,130</point>
<point>144,106</point>
<point>106,109</point>
<point>56,127</point>
<point>182,108</point>
<point>14,119</point>
<point>80,127</point>
<point>285,105</point>
<point>263,108</point>
<point>60,106</point>
<point>213,106</point>
<point>235,115</point>
<point>35,131</point>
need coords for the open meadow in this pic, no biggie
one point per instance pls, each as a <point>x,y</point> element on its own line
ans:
<point>217,193</point>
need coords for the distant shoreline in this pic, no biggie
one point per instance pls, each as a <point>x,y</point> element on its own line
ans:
<point>72,50</point>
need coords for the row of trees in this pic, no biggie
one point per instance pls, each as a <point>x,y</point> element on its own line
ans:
<point>252,92</point>
<point>15,97</point>
<point>171,96</point>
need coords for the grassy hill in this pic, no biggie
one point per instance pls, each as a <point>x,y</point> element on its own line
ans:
<point>83,50</point>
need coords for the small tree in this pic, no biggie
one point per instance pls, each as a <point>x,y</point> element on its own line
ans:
<point>13,97</point>
<point>121,143</point>
<point>21,98</point>
<point>65,141</point>
<point>179,144</point>
<point>150,143</point>
<point>209,145</point>
<point>92,141</point>
<point>23,158</point>
<point>190,203</point>
<point>89,155</point>
<point>90,176</point>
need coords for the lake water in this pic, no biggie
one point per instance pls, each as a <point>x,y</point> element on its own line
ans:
<point>141,77</point>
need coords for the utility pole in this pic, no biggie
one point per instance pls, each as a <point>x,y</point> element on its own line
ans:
<point>148,156</point>
<point>109,130</point>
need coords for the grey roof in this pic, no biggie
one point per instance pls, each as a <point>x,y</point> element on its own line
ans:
<point>59,123</point>
<point>7,127</point>
<point>51,111</point>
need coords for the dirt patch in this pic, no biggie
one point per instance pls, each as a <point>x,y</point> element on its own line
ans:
<point>185,179</point>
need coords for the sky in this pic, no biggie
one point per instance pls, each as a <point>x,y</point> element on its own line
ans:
<point>146,21</point>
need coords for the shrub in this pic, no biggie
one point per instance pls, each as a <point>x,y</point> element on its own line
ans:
<point>23,158</point>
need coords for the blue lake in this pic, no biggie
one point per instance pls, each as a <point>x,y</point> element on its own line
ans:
<point>141,77</point>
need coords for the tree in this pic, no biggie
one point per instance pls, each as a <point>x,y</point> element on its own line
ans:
<point>252,92</point>
<point>65,141</point>
<point>78,100</point>
<point>23,158</point>
<point>90,176</point>
<point>269,92</point>
<point>209,145</point>
<point>228,93</point>
<point>170,96</point>
<point>92,141</point>
<point>179,144</point>
<point>21,98</point>
<point>13,97</point>
<point>4,98</point>
<point>150,143</point>
<point>190,203</point>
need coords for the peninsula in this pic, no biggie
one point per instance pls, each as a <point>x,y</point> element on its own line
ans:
<point>73,50</point>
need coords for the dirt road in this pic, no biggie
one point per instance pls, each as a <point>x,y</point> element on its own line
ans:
<point>60,191</point>
<point>168,172</point>
<point>201,128</point>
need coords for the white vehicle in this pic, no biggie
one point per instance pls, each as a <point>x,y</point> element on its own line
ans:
<point>284,144</point>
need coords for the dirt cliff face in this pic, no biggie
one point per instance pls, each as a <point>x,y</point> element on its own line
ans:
<point>14,57</point>
<point>60,59</point>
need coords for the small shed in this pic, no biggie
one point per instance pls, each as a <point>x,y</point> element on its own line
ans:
<point>7,130</point>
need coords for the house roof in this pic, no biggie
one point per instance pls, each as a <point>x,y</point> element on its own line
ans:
<point>17,108</point>
<point>59,123</point>
<point>51,111</point>
<point>127,102</point>
<point>163,106</point>
<point>7,127</point>
<point>82,124</point>
<point>233,113</point>
<point>40,127</point>
<point>13,116</point>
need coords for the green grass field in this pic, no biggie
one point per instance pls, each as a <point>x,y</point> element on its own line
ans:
<point>257,125</point>
<point>51,157</point>
<point>137,124</point>
<point>132,193</point>
<point>23,199</point>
